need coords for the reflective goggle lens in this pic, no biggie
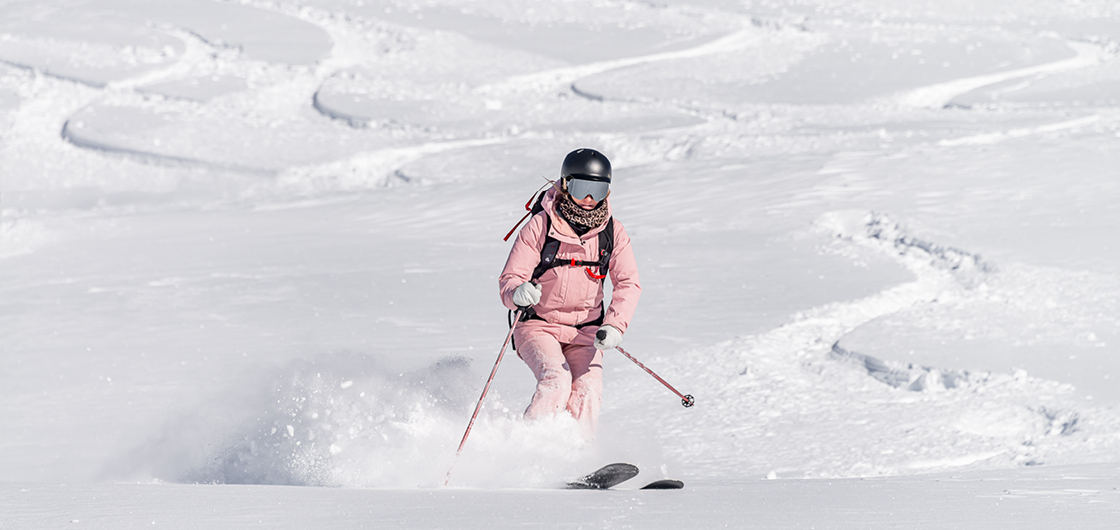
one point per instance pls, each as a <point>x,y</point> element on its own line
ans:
<point>580,188</point>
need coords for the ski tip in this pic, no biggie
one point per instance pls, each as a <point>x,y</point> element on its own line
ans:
<point>664,484</point>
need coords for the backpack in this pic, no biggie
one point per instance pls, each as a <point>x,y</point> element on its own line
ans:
<point>548,258</point>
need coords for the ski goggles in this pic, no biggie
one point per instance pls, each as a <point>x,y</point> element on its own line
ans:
<point>579,188</point>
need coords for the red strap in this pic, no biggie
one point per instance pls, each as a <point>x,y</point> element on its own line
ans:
<point>593,275</point>
<point>515,226</point>
<point>528,208</point>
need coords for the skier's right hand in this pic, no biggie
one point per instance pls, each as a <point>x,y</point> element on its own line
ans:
<point>526,295</point>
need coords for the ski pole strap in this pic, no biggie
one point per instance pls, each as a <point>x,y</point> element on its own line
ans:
<point>686,399</point>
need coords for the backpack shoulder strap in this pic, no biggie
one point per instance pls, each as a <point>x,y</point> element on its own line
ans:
<point>537,206</point>
<point>606,246</point>
<point>548,250</point>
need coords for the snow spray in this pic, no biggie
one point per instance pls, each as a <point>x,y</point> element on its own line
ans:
<point>493,372</point>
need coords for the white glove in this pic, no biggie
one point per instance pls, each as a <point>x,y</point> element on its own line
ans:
<point>607,337</point>
<point>526,295</point>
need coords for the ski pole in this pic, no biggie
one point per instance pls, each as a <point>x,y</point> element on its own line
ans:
<point>516,319</point>
<point>686,399</point>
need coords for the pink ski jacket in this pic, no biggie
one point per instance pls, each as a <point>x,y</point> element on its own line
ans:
<point>569,295</point>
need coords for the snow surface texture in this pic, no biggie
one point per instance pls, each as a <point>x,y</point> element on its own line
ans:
<point>256,242</point>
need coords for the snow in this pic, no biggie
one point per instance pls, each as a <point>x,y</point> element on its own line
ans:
<point>252,245</point>
<point>1025,499</point>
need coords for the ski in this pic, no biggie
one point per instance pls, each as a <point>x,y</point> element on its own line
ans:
<point>605,477</point>
<point>664,484</point>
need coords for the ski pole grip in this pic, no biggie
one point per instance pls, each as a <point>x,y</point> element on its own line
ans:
<point>601,334</point>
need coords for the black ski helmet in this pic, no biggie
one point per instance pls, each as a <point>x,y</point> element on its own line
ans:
<point>587,164</point>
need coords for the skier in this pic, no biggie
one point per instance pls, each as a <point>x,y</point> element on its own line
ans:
<point>555,273</point>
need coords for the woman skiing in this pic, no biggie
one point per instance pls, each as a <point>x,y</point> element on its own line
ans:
<point>555,274</point>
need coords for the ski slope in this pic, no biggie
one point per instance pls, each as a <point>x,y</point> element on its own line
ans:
<point>255,244</point>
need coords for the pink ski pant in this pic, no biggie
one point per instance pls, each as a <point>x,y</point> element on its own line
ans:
<point>568,368</point>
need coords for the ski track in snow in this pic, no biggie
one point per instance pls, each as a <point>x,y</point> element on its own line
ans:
<point>940,94</point>
<point>991,138</point>
<point>374,162</point>
<point>202,56</point>
<point>550,79</point>
<point>347,53</point>
<point>145,156</point>
<point>381,166</point>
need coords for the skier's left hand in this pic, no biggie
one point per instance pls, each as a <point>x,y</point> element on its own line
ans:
<point>612,338</point>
